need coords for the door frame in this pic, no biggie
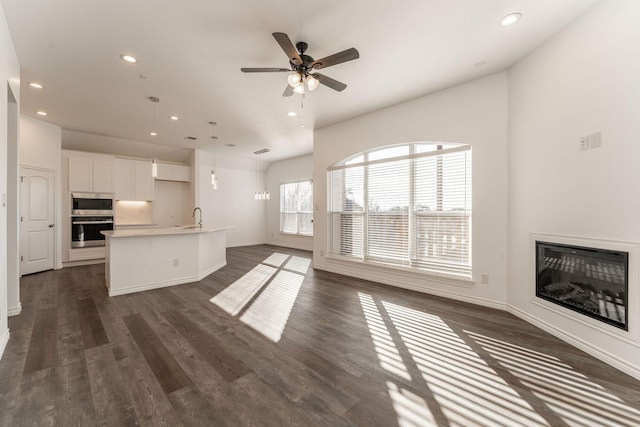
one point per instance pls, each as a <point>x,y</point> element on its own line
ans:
<point>55,216</point>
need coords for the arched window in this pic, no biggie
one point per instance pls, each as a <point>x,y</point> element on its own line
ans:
<point>407,205</point>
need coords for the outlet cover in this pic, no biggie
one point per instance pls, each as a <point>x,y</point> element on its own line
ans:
<point>584,143</point>
<point>484,279</point>
<point>176,262</point>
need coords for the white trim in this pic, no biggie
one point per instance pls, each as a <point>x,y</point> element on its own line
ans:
<point>236,245</point>
<point>370,274</point>
<point>290,245</point>
<point>4,340</point>
<point>158,285</point>
<point>14,311</point>
<point>398,158</point>
<point>585,346</point>
<point>632,335</point>
<point>412,272</point>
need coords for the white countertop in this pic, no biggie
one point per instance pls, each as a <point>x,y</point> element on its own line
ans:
<point>141,232</point>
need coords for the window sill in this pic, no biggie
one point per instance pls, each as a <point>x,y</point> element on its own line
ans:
<point>284,233</point>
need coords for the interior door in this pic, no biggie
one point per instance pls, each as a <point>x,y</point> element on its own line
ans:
<point>36,220</point>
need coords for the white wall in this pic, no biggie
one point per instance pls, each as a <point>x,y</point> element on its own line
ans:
<point>282,172</point>
<point>9,78</point>
<point>172,204</point>
<point>40,148</point>
<point>584,80</point>
<point>473,113</point>
<point>232,204</point>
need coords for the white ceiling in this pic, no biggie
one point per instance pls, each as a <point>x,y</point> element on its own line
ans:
<point>190,54</point>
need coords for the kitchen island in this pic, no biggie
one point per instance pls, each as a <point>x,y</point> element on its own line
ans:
<point>142,259</point>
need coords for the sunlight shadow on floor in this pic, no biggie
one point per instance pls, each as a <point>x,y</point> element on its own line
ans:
<point>239,293</point>
<point>388,354</point>
<point>269,312</point>
<point>576,399</point>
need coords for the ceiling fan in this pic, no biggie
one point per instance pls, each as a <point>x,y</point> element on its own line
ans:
<point>303,67</point>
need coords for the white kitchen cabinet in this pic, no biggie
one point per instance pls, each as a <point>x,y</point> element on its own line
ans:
<point>103,176</point>
<point>124,179</point>
<point>90,175</point>
<point>171,172</point>
<point>133,180</point>
<point>143,182</point>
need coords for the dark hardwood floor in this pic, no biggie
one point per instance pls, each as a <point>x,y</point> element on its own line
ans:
<point>267,341</point>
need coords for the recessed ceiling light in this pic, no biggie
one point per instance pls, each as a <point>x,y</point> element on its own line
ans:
<point>301,126</point>
<point>36,85</point>
<point>41,113</point>
<point>173,117</point>
<point>292,114</point>
<point>153,133</point>
<point>128,58</point>
<point>214,137</point>
<point>510,19</point>
<point>229,145</point>
<point>192,138</point>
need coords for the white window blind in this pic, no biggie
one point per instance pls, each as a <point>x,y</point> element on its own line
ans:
<point>407,205</point>
<point>296,208</point>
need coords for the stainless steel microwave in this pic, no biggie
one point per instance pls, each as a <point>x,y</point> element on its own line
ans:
<point>91,204</point>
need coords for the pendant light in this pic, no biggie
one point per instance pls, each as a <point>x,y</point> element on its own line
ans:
<point>214,177</point>
<point>154,160</point>
<point>262,194</point>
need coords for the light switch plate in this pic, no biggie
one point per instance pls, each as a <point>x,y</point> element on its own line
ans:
<point>596,139</point>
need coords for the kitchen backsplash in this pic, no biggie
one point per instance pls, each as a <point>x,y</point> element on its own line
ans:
<point>130,212</point>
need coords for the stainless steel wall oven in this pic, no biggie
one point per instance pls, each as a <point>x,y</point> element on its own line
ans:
<point>91,213</point>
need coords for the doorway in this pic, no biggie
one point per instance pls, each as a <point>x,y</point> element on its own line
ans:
<point>37,224</point>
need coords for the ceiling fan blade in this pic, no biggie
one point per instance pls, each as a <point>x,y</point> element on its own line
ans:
<point>288,91</point>
<point>285,43</point>
<point>336,58</point>
<point>328,81</point>
<point>264,70</point>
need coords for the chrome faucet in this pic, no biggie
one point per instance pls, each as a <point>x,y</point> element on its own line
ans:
<point>194,215</point>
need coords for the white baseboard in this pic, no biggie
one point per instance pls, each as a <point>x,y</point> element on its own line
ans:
<point>4,340</point>
<point>404,285</point>
<point>587,347</point>
<point>289,245</point>
<point>14,311</point>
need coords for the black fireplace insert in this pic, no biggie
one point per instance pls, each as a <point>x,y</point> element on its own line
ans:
<point>590,281</point>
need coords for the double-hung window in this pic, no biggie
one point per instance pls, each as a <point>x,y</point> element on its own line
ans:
<point>406,205</point>
<point>296,208</point>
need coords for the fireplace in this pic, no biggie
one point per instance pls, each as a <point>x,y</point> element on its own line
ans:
<point>590,281</point>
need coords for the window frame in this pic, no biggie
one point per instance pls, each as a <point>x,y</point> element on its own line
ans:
<point>297,212</point>
<point>433,266</point>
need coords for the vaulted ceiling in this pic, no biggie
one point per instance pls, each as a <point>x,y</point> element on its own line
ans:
<point>190,54</point>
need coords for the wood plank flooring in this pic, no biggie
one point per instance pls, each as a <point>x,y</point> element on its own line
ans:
<point>267,341</point>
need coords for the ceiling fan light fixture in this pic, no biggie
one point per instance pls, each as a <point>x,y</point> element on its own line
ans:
<point>312,83</point>
<point>299,89</point>
<point>294,79</point>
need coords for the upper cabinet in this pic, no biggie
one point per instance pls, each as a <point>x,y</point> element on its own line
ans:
<point>133,180</point>
<point>171,172</point>
<point>92,175</point>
